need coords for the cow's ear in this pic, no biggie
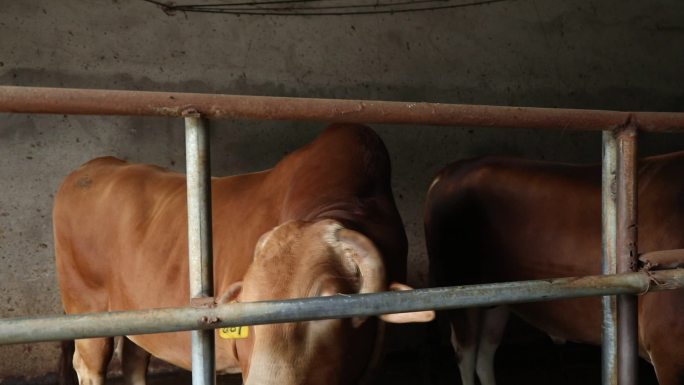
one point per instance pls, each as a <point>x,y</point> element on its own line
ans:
<point>231,294</point>
<point>416,316</point>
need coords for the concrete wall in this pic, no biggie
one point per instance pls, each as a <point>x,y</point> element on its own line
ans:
<point>593,54</point>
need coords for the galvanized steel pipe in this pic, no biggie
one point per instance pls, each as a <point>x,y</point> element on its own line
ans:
<point>199,241</point>
<point>110,102</point>
<point>609,257</point>
<point>23,330</point>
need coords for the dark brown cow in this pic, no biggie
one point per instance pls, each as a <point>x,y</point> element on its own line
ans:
<point>494,219</point>
<point>321,222</point>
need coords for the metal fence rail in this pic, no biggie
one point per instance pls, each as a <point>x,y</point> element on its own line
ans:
<point>21,330</point>
<point>618,211</point>
<point>200,252</point>
<point>626,254</point>
<point>609,345</point>
<point>106,102</point>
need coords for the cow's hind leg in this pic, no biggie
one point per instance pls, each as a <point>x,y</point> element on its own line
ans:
<point>464,339</point>
<point>492,326</point>
<point>134,362</point>
<point>91,358</point>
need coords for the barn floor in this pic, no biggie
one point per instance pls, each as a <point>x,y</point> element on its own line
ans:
<point>538,363</point>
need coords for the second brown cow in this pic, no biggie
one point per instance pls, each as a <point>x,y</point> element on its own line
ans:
<point>497,219</point>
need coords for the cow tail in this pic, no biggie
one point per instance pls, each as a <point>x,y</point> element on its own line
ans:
<point>67,373</point>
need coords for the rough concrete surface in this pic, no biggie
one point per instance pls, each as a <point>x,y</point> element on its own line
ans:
<point>615,54</point>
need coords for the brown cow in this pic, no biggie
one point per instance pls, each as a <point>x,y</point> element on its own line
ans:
<point>495,219</point>
<point>321,222</point>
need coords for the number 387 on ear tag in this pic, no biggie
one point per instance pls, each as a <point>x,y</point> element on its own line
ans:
<point>234,332</point>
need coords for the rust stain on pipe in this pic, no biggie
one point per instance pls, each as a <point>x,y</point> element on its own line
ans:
<point>145,103</point>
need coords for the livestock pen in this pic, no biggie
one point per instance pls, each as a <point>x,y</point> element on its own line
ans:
<point>619,284</point>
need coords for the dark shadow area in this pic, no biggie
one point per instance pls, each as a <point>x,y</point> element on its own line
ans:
<point>527,356</point>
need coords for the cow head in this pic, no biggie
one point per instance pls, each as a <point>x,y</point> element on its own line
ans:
<point>308,259</point>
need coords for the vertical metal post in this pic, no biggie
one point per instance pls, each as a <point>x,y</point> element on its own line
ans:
<point>627,332</point>
<point>199,241</point>
<point>609,256</point>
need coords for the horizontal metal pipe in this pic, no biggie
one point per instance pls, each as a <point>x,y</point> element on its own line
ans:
<point>110,102</point>
<point>50,328</point>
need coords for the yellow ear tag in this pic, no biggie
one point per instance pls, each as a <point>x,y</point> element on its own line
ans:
<point>234,332</point>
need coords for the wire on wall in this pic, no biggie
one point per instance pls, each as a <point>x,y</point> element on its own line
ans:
<point>320,7</point>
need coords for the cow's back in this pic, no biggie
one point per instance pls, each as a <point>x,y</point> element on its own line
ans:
<point>104,212</point>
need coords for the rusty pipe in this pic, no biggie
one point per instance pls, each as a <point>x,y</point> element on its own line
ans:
<point>627,254</point>
<point>145,103</point>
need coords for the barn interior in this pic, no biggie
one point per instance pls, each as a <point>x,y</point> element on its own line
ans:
<point>615,55</point>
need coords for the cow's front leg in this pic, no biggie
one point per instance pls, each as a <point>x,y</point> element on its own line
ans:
<point>492,326</point>
<point>134,362</point>
<point>91,357</point>
<point>464,339</point>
